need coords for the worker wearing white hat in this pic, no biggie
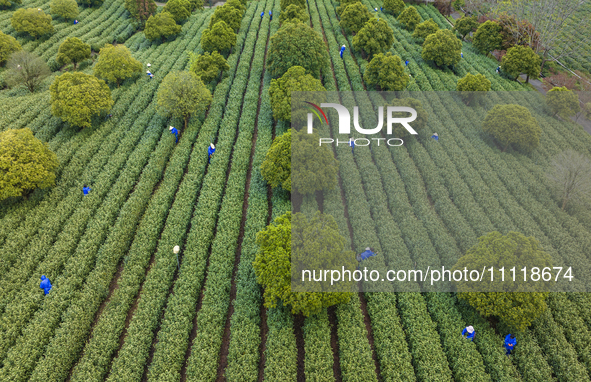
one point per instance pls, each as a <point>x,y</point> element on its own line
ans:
<point>210,151</point>
<point>174,131</point>
<point>469,333</point>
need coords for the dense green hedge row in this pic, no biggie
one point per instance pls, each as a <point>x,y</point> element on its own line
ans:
<point>281,352</point>
<point>173,337</point>
<point>583,304</point>
<point>318,359</point>
<point>129,364</point>
<point>245,329</point>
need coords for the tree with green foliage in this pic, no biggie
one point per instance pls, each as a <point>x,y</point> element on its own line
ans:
<point>179,9</point>
<point>387,72</point>
<point>276,168</point>
<point>72,50</point>
<point>458,4</point>
<point>236,4</point>
<point>488,37</point>
<point>294,80</point>
<point>563,102</point>
<point>219,37</point>
<point>521,59</point>
<point>141,10</point>
<point>9,3</point>
<point>375,37</point>
<point>394,7</point>
<point>208,66</point>
<point>296,45</point>
<point>471,86</point>
<point>465,25</point>
<point>198,4</point>
<point>418,124</point>
<point>90,3</point>
<point>68,9</point>
<point>32,21</point>
<point>26,163</point>
<point>116,64</point>
<point>183,94</point>
<point>161,25</point>
<point>443,48</point>
<point>230,15</point>
<point>286,3</point>
<point>294,14</point>
<point>316,241</point>
<point>425,29</point>
<point>8,45</point>
<point>410,18</point>
<point>570,173</point>
<point>516,303</point>
<point>513,124</point>
<point>27,69</point>
<point>77,97</point>
<point>313,167</point>
<point>354,17</point>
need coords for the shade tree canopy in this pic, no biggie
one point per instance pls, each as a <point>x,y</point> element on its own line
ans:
<point>73,50</point>
<point>294,80</point>
<point>471,86</point>
<point>521,59</point>
<point>90,3</point>
<point>294,14</point>
<point>394,7</point>
<point>570,175</point>
<point>513,125</point>
<point>161,25</point>
<point>141,10</point>
<point>563,102</point>
<point>116,64</point>
<point>315,241</point>
<point>33,21</point>
<point>424,29</point>
<point>443,48</point>
<point>220,37</point>
<point>230,15</point>
<point>276,167</point>
<point>296,45</point>
<point>410,18</point>
<point>77,97</point>
<point>8,45</point>
<point>488,37</point>
<point>375,37</point>
<point>208,66</point>
<point>387,72</point>
<point>9,3</point>
<point>465,25</point>
<point>183,94</point>
<point>26,163</point>
<point>25,68</point>
<point>179,9</point>
<point>354,17</point>
<point>68,9</point>
<point>286,3</point>
<point>518,303</point>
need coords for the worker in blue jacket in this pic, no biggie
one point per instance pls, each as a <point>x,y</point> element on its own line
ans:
<point>45,284</point>
<point>262,14</point>
<point>365,255</point>
<point>510,342</point>
<point>174,131</point>
<point>210,151</point>
<point>435,136</point>
<point>271,15</point>
<point>469,333</point>
<point>406,63</point>
<point>352,144</point>
<point>86,189</point>
<point>75,22</point>
<point>343,50</point>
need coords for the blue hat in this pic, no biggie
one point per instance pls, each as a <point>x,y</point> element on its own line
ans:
<point>43,277</point>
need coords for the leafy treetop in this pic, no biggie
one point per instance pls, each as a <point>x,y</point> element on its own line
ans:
<point>230,15</point>
<point>394,7</point>
<point>375,37</point>
<point>443,48</point>
<point>521,59</point>
<point>355,16</point>
<point>77,97</point>
<point>25,68</point>
<point>488,37</point>
<point>513,124</point>
<point>179,9</point>
<point>73,50</point>
<point>424,29</point>
<point>387,72</point>
<point>8,45</point>
<point>32,21</point>
<point>208,66</point>
<point>219,37</point>
<point>294,14</point>
<point>465,25</point>
<point>296,45</point>
<point>68,9</point>
<point>26,163</point>
<point>161,25</point>
<point>410,18</point>
<point>470,84</point>
<point>563,102</point>
<point>116,63</point>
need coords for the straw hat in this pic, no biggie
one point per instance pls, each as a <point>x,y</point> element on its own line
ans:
<point>212,146</point>
<point>170,128</point>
